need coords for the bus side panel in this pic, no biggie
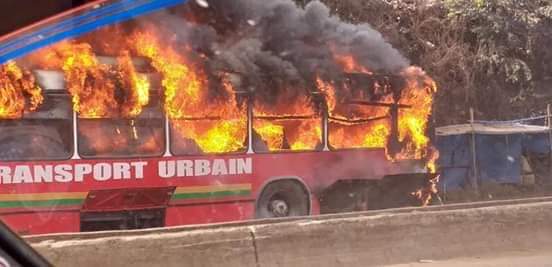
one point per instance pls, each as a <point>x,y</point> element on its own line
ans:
<point>43,222</point>
<point>319,170</point>
<point>209,213</point>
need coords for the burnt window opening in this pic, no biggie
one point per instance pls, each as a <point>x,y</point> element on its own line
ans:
<point>209,135</point>
<point>283,134</point>
<point>217,125</point>
<point>142,136</point>
<point>286,122</point>
<point>363,116</point>
<point>360,132</point>
<point>40,135</point>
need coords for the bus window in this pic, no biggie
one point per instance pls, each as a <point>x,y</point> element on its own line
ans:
<point>214,121</point>
<point>354,126</point>
<point>364,133</point>
<point>286,134</point>
<point>118,137</point>
<point>44,134</point>
<point>209,136</point>
<point>289,122</point>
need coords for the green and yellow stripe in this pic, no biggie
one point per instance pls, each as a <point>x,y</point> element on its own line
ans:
<point>67,199</point>
<point>211,191</point>
<point>42,199</point>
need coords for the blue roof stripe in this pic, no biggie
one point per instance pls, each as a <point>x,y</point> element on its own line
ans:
<point>82,28</point>
<point>69,22</point>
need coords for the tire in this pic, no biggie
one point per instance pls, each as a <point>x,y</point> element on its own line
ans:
<point>285,198</point>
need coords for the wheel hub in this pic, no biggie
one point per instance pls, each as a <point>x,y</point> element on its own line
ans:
<point>279,208</point>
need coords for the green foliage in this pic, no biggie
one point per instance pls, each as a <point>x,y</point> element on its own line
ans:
<point>489,54</point>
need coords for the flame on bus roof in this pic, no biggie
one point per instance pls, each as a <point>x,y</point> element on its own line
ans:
<point>18,91</point>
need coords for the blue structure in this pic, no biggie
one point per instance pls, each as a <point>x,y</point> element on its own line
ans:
<point>499,148</point>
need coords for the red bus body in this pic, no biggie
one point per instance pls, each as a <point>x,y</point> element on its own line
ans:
<point>46,207</point>
<point>72,195</point>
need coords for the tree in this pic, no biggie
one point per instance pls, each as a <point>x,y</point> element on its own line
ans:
<point>489,54</point>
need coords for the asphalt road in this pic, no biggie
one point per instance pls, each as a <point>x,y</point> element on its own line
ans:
<point>518,259</point>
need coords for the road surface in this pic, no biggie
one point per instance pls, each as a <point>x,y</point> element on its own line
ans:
<point>518,259</point>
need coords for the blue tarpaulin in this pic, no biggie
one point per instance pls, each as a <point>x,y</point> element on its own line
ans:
<point>498,152</point>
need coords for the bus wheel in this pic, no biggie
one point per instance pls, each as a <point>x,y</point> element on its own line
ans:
<point>282,199</point>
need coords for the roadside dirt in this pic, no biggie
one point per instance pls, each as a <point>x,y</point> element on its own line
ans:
<point>512,259</point>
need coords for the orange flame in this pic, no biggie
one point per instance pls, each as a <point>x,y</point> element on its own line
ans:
<point>290,123</point>
<point>425,194</point>
<point>219,124</point>
<point>187,103</point>
<point>99,90</point>
<point>374,131</point>
<point>113,89</point>
<point>432,161</point>
<point>418,94</point>
<point>293,134</point>
<point>135,87</point>
<point>350,65</point>
<point>17,85</point>
<point>348,62</point>
<point>355,129</point>
<point>412,122</point>
<point>93,94</point>
<point>329,93</point>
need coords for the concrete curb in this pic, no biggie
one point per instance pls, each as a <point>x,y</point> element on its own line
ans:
<point>370,239</point>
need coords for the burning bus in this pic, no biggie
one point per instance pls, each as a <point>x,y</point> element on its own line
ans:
<point>202,114</point>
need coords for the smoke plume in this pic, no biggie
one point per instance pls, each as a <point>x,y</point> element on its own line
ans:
<point>274,45</point>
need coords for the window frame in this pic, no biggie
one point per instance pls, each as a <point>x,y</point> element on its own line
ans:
<point>163,139</point>
<point>290,151</point>
<point>172,131</point>
<point>72,149</point>
<point>332,148</point>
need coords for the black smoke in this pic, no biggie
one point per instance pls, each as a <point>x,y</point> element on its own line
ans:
<point>275,45</point>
